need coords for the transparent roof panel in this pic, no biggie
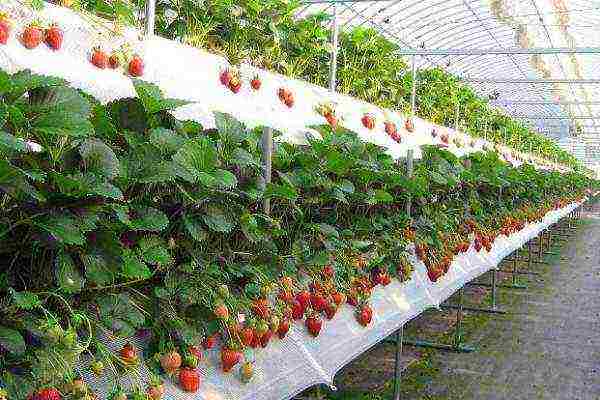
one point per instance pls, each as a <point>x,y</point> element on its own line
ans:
<point>497,24</point>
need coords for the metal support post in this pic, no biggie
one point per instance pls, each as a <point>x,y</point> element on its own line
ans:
<point>457,345</point>
<point>493,309</point>
<point>398,362</point>
<point>150,18</point>
<point>456,115</point>
<point>413,93</point>
<point>334,50</point>
<point>400,332</point>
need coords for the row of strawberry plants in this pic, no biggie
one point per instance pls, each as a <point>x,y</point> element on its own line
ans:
<point>119,220</point>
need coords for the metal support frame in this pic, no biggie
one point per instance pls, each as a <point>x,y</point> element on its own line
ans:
<point>457,345</point>
<point>150,18</point>
<point>493,309</point>
<point>400,332</point>
<point>499,51</point>
<point>413,94</point>
<point>335,29</point>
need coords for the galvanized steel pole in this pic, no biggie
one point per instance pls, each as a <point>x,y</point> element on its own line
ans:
<point>150,18</point>
<point>413,94</point>
<point>334,50</point>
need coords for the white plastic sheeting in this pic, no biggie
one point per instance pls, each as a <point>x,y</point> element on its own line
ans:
<point>190,74</point>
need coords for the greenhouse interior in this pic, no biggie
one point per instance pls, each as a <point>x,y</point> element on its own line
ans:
<point>299,199</point>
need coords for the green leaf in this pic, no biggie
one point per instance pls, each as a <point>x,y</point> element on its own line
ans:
<point>119,314</point>
<point>250,228</point>
<point>152,98</point>
<point>24,81</point>
<point>225,179</point>
<point>166,140</point>
<point>10,142</point>
<point>230,129</point>
<point>244,159</point>
<point>67,114</point>
<point>97,269</point>
<point>99,159</point>
<point>281,191</point>
<point>133,267</point>
<point>12,341</point>
<point>67,275</point>
<point>194,227</point>
<point>64,228</point>
<point>153,251</point>
<point>25,300</point>
<point>142,218</point>
<point>196,157</point>
<point>217,220</point>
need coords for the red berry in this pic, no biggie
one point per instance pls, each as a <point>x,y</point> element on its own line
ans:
<point>170,361</point>
<point>255,83</point>
<point>409,125</point>
<point>113,61</point>
<point>221,311</point>
<point>99,58</point>
<point>136,66</point>
<point>331,119</point>
<point>196,352</point>
<point>54,37</point>
<point>365,315</point>
<point>32,36</point>
<point>390,128</point>
<point>225,77</point>
<point>368,121</point>
<point>189,379</point>
<point>314,324</point>
<point>5,28</point>
<point>297,310</point>
<point>266,337</point>
<point>128,354</point>
<point>284,327</point>
<point>247,336</point>
<point>48,394</point>
<point>317,302</point>
<point>229,358</point>
<point>328,271</point>
<point>330,310</point>
<point>303,298</point>
<point>209,342</point>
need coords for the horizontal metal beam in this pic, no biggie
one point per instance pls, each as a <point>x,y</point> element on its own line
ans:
<point>500,51</point>
<point>554,117</point>
<point>544,103</point>
<point>534,81</point>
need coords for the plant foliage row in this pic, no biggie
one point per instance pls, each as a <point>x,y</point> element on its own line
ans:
<point>119,221</point>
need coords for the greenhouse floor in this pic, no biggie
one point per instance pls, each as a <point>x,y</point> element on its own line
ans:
<point>546,347</point>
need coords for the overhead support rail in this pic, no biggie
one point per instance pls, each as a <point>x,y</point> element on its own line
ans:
<point>534,81</point>
<point>544,103</point>
<point>554,117</point>
<point>506,51</point>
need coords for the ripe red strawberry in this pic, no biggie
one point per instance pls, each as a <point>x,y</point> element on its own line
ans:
<point>297,310</point>
<point>284,327</point>
<point>255,83</point>
<point>314,324</point>
<point>113,61</point>
<point>338,298</point>
<point>433,274</point>
<point>368,121</point>
<point>221,311</point>
<point>189,379</point>
<point>54,37</point>
<point>261,308</point>
<point>266,337</point>
<point>209,341</point>
<point>352,300</point>
<point>170,361</point>
<point>5,28</point>
<point>247,335</point>
<point>365,315</point>
<point>154,392</point>
<point>328,271</point>
<point>229,358</point>
<point>434,133</point>
<point>330,310</point>
<point>32,36</point>
<point>303,298</point>
<point>331,119</point>
<point>225,77</point>
<point>136,66</point>
<point>281,93</point>
<point>478,244</point>
<point>445,138</point>
<point>289,100</point>
<point>317,301</point>
<point>385,279</point>
<point>99,58</point>
<point>128,354</point>
<point>409,125</point>
<point>48,394</point>
<point>285,296</point>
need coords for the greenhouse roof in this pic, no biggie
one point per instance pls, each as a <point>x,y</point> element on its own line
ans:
<point>554,91</point>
